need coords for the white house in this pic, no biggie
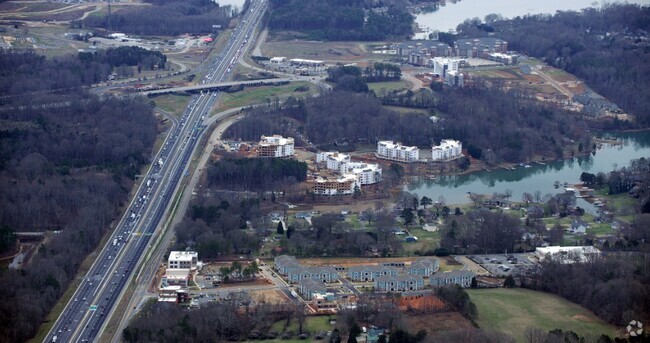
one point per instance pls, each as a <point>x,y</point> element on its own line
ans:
<point>447,150</point>
<point>397,152</point>
<point>275,146</point>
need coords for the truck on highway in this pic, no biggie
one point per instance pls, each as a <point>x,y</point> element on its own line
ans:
<point>160,162</point>
<point>294,294</point>
<point>115,242</point>
<point>148,183</point>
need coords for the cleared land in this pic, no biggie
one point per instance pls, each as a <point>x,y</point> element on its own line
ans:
<point>324,51</point>
<point>511,311</point>
<point>389,86</point>
<point>258,95</point>
<point>174,104</point>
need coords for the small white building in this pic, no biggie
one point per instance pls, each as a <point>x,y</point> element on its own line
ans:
<point>448,149</point>
<point>182,260</point>
<point>278,60</point>
<point>275,146</point>
<point>397,152</point>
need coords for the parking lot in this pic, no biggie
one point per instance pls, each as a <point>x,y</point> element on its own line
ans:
<point>501,265</point>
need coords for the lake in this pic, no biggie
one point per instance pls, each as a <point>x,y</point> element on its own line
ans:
<point>236,3</point>
<point>538,177</point>
<point>449,16</point>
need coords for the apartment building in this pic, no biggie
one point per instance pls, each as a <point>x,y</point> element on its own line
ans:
<point>397,152</point>
<point>365,173</point>
<point>275,146</point>
<point>447,150</point>
<point>342,185</point>
<point>332,159</point>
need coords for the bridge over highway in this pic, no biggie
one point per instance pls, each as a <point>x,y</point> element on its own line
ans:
<point>215,86</point>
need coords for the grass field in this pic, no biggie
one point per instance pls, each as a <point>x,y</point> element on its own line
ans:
<point>258,95</point>
<point>511,311</point>
<point>312,325</point>
<point>426,241</point>
<point>174,104</point>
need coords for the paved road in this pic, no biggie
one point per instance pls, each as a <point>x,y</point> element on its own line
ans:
<point>84,317</point>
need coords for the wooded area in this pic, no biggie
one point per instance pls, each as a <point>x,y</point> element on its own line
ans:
<point>256,174</point>
<point>165,18</point>
<point>67,162</point>
<point>340,20</point>
<point>603,46</point>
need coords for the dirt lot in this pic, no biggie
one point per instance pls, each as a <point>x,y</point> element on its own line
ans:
<point>437,322</point>
<point>355,261</point>
<point>270,296</point>
<point>324,51</point>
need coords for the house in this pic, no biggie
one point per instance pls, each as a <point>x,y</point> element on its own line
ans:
<point>322,274</point>
<point>399,283</point>
<point>370,273</point>
<point>579,227</point>
<point>284,264</point>
<point>424,267</point>
<point>430,227</point>
<point>309,287</point>
<point>462,278</point>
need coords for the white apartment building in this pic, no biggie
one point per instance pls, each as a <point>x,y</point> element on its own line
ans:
<point>182,260</point>
<point>275,146</point>
<point>442,65</point>
<point>343,185</point>
<point>397,152</point>
<point>447,150</point>
<point>333,160</point>
<point>366,173</point>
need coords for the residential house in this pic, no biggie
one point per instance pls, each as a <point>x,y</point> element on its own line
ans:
<point>424,267</point>
<point>370,273</point>
<point>579,226</point>
<point>462,278</point>
<point>399,283</point>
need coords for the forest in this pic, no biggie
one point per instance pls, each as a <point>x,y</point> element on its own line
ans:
<point>67,163</point>
<point>126,56</point>
<point>614,286</point>
<point>214,226</point>
<point>496,125</point>
<point>607,48</point>
<point>340,20</point>
<point>164,18</point>
<point>256,174</point>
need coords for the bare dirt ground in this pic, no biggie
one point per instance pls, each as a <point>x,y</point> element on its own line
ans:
<point>437,322</point>
<point>269,296</point>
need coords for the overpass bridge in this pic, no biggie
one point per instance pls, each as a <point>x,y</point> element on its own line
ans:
<point>215,86</point>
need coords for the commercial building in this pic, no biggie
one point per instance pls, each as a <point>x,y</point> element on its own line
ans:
<point>462,278</point>
<point>278,60</point>
<point>275,146</point>
<point>342,185</point>
<point>397,152</point>
<point>182,260</point>
<point>441,65</point>
<point>448,149</point>
<point>306,63</point>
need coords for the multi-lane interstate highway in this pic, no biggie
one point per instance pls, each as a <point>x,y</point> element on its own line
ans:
<point>86,314</point>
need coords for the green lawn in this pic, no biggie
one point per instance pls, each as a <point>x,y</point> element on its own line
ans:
<point>426,241</point>
<point>174,104</point>
<point>259,95</point>
<point>511,311</point>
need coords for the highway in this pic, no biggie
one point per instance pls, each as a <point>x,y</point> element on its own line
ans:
<point>85,315</point>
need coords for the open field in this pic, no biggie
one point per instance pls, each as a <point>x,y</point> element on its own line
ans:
<point>436,322</point>
<point>427,241</point>
<point>174,104</point>
<point>324,51</point>
<point>511,311</point>
<point>258,95</point>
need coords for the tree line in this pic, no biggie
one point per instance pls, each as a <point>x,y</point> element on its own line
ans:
<point>126,56</point>
<point>165,18</point>
<point>355,79</point>
<point>340,20</point>
<point>67,162</point>
<point>214,226</point>
<point>256,174</point>
<point>604,46</point>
